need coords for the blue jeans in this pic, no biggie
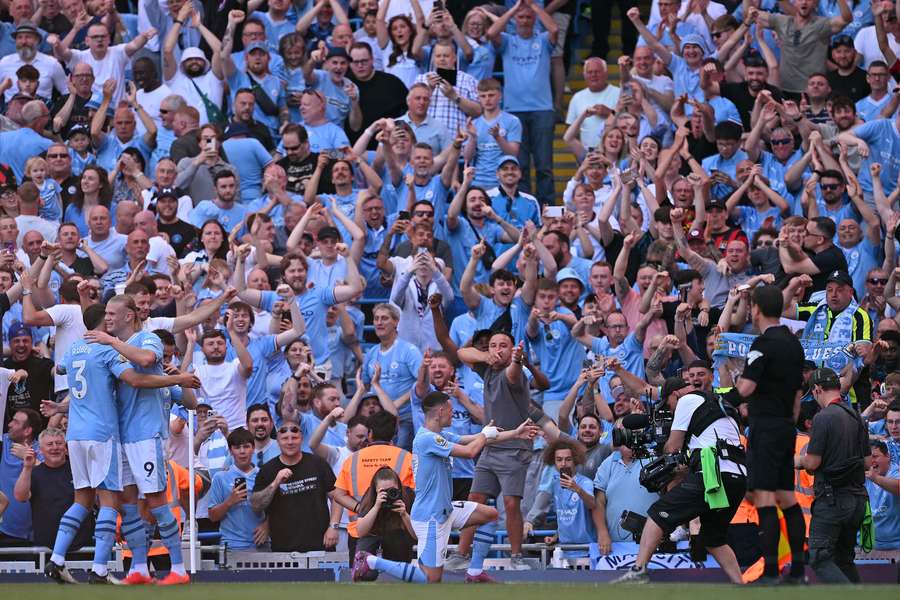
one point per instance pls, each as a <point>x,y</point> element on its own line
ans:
<point>537,143</point>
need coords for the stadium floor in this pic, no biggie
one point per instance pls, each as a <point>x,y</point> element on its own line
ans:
<point>561,591</point>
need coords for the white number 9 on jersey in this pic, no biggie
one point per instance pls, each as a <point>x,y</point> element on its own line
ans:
<point>80,389</point>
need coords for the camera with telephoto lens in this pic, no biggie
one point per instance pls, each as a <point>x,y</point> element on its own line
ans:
<point>645,435</point>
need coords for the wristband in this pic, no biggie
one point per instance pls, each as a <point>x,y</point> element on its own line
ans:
<point>490,432</point>
<point>179,22</point>
<point>797,119</point>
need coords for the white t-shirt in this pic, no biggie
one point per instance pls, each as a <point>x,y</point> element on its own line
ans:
<point>151,101</point>
<point>225,390</point>
<point>208,83</point>
<point>866,43</point>
<point>69,327</point>
<point>723,429</point>
<point>153,323</point>
<point>111,66</point>
<point>156,257</point>
<point>27,223</point>
<point>592,127</point>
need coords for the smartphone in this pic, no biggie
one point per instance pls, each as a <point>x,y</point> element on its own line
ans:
<point>240,482</point>
<point>9,247</point>
<point>211,145</point>
<point>567,471</point>
<point>448,75</point>
<point>403,215</point>
<point>421,250</point>
<point>683,290</point>
<point>438,5</point>
<point>556,212</point>
<point>210,414</point>
<point>743,288</point>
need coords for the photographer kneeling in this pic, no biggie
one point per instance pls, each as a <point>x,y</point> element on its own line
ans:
<point>709,437</point>
<point>384,519</point>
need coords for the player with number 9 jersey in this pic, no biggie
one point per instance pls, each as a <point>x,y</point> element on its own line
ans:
<point>93,430</point>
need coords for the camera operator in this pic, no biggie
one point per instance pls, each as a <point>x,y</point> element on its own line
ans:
<point>706,430</point>
<point>838,455</point>
<point>771,383</point>
<point>384,519</point>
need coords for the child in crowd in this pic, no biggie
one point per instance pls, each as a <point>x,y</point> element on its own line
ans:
<point>51,207</point>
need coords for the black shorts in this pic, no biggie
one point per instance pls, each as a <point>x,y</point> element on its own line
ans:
<point>770,454</point>
<point>686,501</point>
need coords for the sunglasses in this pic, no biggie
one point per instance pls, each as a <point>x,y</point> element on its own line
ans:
<point>62,155</point>
<point>878,281</point>
<point>829,186</point>
<point>783,142</point>
<point>423,213</point>
<point>291,429</point>
<point>291,148</point>
<point>767,243</point>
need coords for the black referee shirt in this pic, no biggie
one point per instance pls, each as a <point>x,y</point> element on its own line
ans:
<point>775,364</point>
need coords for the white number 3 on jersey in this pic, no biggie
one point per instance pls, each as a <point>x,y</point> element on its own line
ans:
<point>80,389</point>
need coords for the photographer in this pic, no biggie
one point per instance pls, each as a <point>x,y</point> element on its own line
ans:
<point>384,519</point>
<point>706,430</point>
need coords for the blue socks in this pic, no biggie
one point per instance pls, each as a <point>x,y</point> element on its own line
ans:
<point>481,545</point>
<point>405,571</point>
<point>68,527</point>
<point>171,535</point>
<point>136,536</point>
<point>104,538</point>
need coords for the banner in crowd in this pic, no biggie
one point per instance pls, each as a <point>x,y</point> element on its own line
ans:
<point>680,560</point>
<point>737,345</point>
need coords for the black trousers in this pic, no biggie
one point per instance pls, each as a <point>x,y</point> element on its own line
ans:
<point>836,518</point>
<point>601,17</point>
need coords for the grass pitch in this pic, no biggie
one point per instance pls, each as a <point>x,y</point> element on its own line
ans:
<point>379,591</point>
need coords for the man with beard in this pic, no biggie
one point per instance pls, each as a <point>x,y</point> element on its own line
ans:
<point>221,208</point>
<point>71,109</point>
<point>191,77</point>
<point>260,425</point>
<point>381,95</point>
<point>848,79</point>
<point>165,172</point>
<point>818,257</point>
<point>270,107</point>
<point>52,77</point>
<point>223,383</point>
<point>571,289</point>
<point>37,387</point>
<point>557,244</point>
<point>744,94</point>
<point>298,162</point>
<point>812,33</point>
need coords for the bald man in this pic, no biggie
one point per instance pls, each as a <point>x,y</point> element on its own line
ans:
<point>160,249</point>
<point>137,247</point>
<point>103,240</point>
<point>125,212</point>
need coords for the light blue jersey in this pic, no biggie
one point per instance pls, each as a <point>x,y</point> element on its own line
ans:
<point>432,469</point>
<point>143,413</point>
<point>227,217</point>
<point>463,468</point>
<point>260,349</point>
<point>335,436</point>
<point>630,353</point>
<point>399,368</point>
<point>883,139</point>
<point>313,305</point>
<point>240,520</point>
<point>885,513</point>
<point>560,356</point>
<point>574,522</point>
<point>526,63</point>
<point>488,152</point>
<point>92,389</point>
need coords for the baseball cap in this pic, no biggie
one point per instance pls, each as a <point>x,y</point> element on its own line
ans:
<point>167,192</point>
<point>841,277</point>
<point>696,237</point>
<point>328,232</point>
<point>18,329</point>
<point>671,385</point>
<point>337,52</point>
<point>824,377</point>
<point>78,129</point>
<point>257,46</point>
<point>507,158</point>
<point>715,203</point>
<point>568,273</point>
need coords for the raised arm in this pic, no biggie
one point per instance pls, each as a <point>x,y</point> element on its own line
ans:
<point>634,15</point>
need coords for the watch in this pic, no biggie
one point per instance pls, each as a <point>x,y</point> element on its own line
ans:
<point>335,525</point>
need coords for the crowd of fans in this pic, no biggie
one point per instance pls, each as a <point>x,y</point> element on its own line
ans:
<point>324,210</point>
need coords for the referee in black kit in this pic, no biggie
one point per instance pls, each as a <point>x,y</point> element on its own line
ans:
<point>771,382</point>
<point>838,454</point>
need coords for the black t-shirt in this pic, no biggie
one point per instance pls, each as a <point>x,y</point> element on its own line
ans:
<point>384,95</point>
<point>52,494</point>
<point>80,115</point>
<point>740,95</point>
<point>299,172</point>
<point>181,235</point>
<point>83,266</point>
<point>828,261</point>
<point>69,187</point>
<point>775,363</point>
<point>4,306</point>
<point>839,438</point>
<point>29,392</point>
<point>854,86</point>
<point>298,515</point>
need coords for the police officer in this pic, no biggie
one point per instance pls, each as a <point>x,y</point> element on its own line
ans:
<point>700,421</point>
<point>772,381</point>
<point>838,455</point>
